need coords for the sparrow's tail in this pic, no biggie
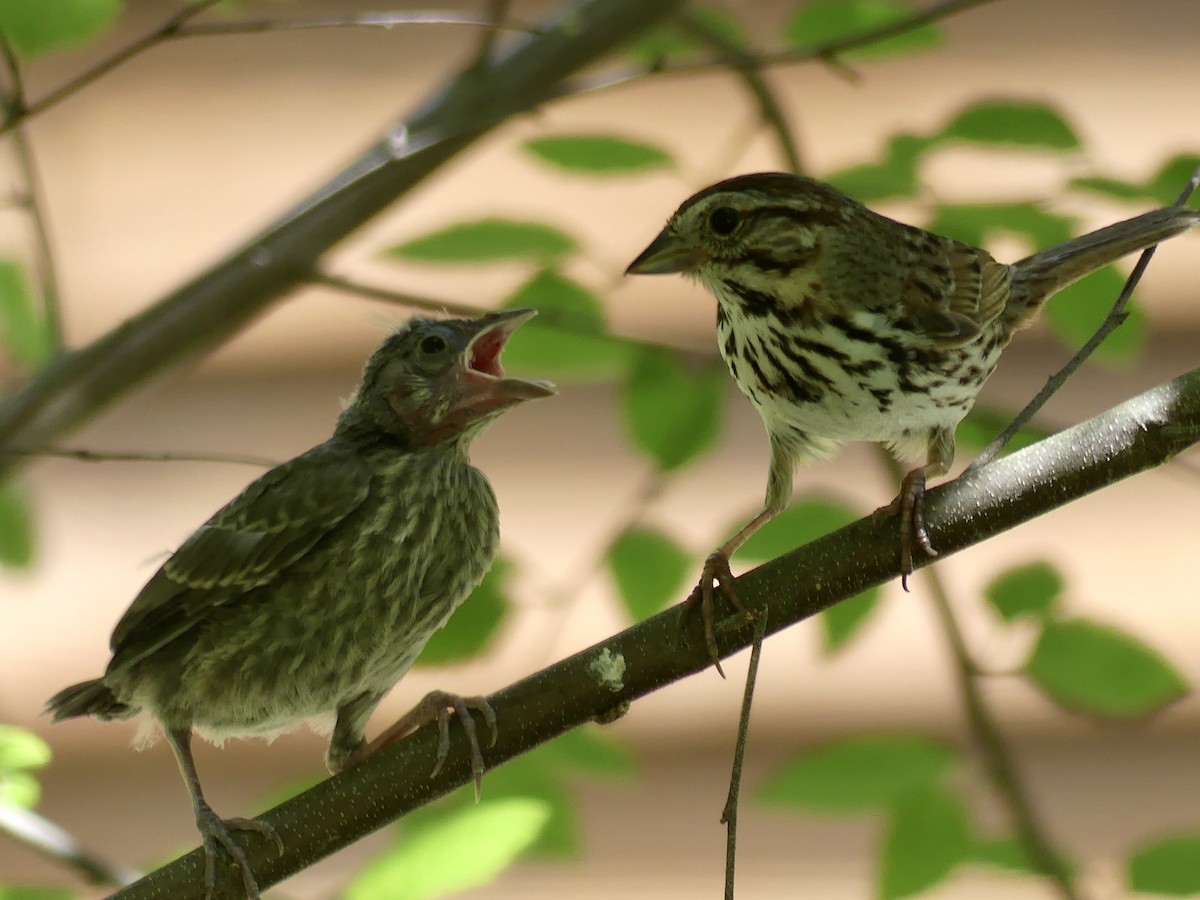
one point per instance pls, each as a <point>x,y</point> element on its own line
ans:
<point>1037,278</point>
<point>88,698</point>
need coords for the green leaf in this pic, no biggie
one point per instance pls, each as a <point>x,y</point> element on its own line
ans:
<point>895,176</point>
<point>16,528</point>
<point>1093,668</point>
<point>599,154</point>
<point>673,412</point>
<point>977,223</point>
<point>649,569</point>
<point>1003,853</point>
<point>21,749</point>
<point>1012,123</point>
<point>1170,866</point>
<point>19,789</point>
<point>32,29</point>
<point>567,341</point>
<point>488,240</point>
<point>1075,312</point>
<point>844,620</point>
<point>983,425</point>
<point>30,892</point>
<point>1171,178</point>
<point>591,750</point>
<point>1031,589</point>
<point>475,623</point>
<point>927,836</point>
<point>858,774</point>
<point>825,21</point>
<point>466,848</point>
<point>560,302</point>
<point>21,325</point>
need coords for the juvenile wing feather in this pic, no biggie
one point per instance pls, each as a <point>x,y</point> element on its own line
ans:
<point>245,545</point>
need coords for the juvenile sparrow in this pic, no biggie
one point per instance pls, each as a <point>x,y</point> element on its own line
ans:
<point>841,324</point>
<point>310,594</point>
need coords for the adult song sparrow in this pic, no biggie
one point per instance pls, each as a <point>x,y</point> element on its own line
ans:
<point>311,593</point>
<point>841,324</point>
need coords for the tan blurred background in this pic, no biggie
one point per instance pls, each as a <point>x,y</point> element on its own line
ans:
<point>176,157</point>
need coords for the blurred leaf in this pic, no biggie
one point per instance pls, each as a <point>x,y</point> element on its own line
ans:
<point>669,41</point>
<point>1075,312</point>
<point>977,223</point>
<point>673,412</point>
<point>21,325</point>
<point>803,522</point>
<point>19,789</point>
<point>599,154</point>
<point>1009,122</point>
<point>894,176</point>
<point>858,774</point>
<point>31,28</point>
<point>16,527</point>
<point>1029,589</point>
<point>30,892</point>
<point>488,240</point>
<point>1170,866</point>
<point>21,749</point>
<point>592,750</point>
<point>1003,853</point>
<point>1171,178</point>
<point>467,848</point>
<point>474,623</point>
<point>538,351</point>
<point>927,836</point>
<point>983,425</point>
<point>1110,187</point>
<point>560,302</point>
<point>649,569</point>
<point>823,21</point>
<point>1093,668</point>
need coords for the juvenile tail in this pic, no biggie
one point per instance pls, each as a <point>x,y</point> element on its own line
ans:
<point>88,698</point>
<point>1042,275</point>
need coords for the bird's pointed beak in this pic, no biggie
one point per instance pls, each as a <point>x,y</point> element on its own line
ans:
<point>483,386</point>
<point>667,253</point>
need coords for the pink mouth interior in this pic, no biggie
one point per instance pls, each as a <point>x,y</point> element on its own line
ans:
<point>485,354</point>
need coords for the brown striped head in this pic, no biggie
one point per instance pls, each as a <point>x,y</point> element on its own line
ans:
<point>748,227</point>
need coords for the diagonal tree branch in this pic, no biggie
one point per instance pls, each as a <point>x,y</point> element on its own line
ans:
<point>217,303</point>
<point>1137,435</point>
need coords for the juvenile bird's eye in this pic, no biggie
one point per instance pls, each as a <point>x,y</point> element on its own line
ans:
<point>433,344</point>
<point>724,220</point>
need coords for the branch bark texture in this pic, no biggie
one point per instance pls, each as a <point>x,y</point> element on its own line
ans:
<point>1137,435</point>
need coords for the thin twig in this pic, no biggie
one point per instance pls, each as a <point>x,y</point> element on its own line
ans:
<point>354,20</point>
<point>159,34</point>
<point>730,815</point>
<point>741,63</point>
<point>96,456</point>
<point>1111,322</point>
<point>826,53</point>
<point>497,13</point>
<point>55,843</point>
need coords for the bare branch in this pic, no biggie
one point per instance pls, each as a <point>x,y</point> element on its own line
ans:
<point>55,843</point>
<point>97,456</point>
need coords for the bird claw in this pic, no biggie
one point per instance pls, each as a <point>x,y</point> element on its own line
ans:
<point>436,707</point>
<point>909,508</point>
<point>716,570</point>
<point>213,831</point>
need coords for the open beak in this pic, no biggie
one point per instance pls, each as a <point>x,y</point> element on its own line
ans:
<point>484,388</point>
<point>667,253</point>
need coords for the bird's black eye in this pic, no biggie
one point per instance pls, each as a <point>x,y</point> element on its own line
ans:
<point>724,220</point>
<point>433,344</point>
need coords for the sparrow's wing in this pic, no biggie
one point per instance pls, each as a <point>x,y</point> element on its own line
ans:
<point>245,545</point>
<point>953,291</point>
